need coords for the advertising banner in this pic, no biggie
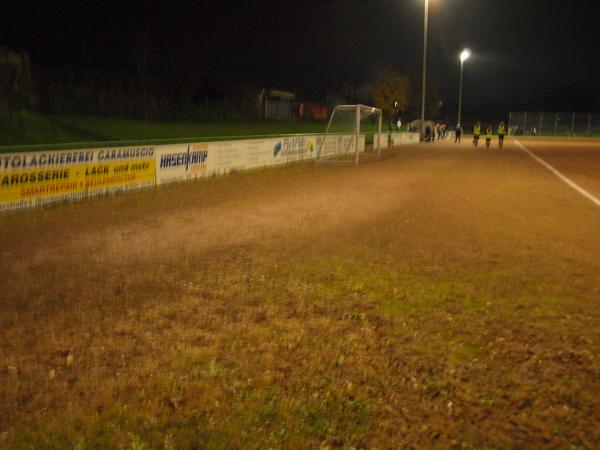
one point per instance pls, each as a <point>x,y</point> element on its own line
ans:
<point>405,138</point>
<point>382,139</point>
<point>231,155</point>
<point>294,148</point>
<point>181,162</point>
<point>260,152</point>
<point>347,144</point>
<point>33,178</point>
<point>328,145</point>
<point>340,145</point>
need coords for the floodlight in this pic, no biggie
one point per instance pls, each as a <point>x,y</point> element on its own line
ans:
<point>466,53</point>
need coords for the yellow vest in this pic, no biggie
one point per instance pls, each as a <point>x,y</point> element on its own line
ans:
<point>501,129</point>
<point>477,130</point>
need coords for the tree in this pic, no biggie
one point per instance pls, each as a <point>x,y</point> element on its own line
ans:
<point>390,88</point>
<point>433,100</point>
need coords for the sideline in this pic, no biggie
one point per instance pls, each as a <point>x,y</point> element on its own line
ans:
<point>579,189</point>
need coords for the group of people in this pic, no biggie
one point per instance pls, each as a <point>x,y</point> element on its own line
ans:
<point>489,134</point>
<point>435,131</point>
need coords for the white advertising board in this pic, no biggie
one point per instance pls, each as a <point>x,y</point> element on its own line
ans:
<point>383,139</point>
<point>231,155</point>
<point>259,152</point>
<point>340,145</point>
<point>34,178</point>
<point>295,148</point>
<point>183,162</point>
<point>404,138</point>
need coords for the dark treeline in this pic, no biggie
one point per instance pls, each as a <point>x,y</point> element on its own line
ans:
<point>149,97</point>
<point>164,93</point>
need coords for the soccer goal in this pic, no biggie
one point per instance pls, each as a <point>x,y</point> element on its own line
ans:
<point>353,134</point>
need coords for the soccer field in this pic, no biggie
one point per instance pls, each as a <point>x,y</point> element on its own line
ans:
<point>445,297</point>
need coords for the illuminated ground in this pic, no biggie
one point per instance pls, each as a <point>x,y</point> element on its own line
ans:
<point>445,297</point>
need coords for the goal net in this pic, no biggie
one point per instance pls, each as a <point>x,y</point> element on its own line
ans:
<point>353,135</point>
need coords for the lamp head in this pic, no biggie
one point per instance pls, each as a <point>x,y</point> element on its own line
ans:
<point>466,53</point>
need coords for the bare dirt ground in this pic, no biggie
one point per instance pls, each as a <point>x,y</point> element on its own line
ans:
<point>446,297</point>
<point>575,158</point>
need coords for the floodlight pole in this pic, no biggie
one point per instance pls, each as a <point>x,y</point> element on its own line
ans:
<point>463,57</point>
<point>460,89</point>
<point>424,67</point>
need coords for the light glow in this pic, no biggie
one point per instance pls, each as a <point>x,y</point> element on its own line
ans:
<point>466,53</point>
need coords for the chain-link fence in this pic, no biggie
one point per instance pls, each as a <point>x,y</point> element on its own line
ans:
<point>554,123</point>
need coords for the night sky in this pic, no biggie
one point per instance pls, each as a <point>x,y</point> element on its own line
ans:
<point>526,53</point>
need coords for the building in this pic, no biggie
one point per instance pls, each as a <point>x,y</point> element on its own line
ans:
<point>277,104</point>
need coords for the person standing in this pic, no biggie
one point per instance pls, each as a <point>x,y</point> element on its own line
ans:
<point>476,133</point>
<point>488,136</point>
<point>501,133</point>
<point>457,134</point>
<point>428,133</point>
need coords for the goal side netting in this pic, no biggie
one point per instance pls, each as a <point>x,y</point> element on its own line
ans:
<point>353,135</point>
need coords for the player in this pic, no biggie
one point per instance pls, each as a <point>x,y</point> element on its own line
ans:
<point>457,134</point>
<point>488,136</point>
<point>501,133</point>
<point>476,133</point>
<point>428,133</point>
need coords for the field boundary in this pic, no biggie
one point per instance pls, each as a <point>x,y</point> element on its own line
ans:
<point>34,178</point>
<point>140,142</point>
<point>562,177</point>
<point>401,137</point>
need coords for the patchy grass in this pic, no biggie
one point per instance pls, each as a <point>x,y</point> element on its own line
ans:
<point>264,359</point>
<point>22,130</point>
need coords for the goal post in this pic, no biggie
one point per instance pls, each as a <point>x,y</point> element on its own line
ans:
<point>353,133</point>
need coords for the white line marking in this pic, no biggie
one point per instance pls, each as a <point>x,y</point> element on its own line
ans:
<point>560,175</point>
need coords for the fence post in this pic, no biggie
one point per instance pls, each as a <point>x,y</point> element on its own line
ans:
<point>555,123</point>
<point>509,121</point>
<point>525,122</point>
<point>572,123</point>
<point>541,122</point>
<point>589,128</point>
